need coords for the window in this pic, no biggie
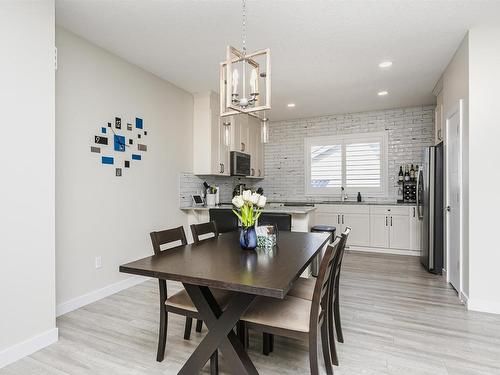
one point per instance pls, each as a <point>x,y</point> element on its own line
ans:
<point>356,162</point>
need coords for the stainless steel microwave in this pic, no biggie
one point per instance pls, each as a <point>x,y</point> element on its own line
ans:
<point>240,164</point>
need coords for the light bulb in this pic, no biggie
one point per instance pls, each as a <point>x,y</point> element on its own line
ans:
<point>236,77</point>
<point>253,81</point>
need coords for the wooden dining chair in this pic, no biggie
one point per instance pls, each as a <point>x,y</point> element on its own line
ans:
<point>179,303</point>
<point>304,288</point>
<point>299,318</point>
<point>198,230</point>
<point>203,229</point>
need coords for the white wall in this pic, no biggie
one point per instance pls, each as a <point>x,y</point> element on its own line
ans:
<point>27,290</point>
<point>484,157</point>
<point>97,213</point>
<point>455,88</point>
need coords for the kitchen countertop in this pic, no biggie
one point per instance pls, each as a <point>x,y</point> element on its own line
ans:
<point>372,203</point>
<point>269,208</point>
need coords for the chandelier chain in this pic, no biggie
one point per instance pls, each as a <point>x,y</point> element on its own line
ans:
<point>244,27</point>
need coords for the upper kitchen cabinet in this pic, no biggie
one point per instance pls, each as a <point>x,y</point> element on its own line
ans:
<point>210,149</point>
<point>245,137</point>
<point>256,148</point>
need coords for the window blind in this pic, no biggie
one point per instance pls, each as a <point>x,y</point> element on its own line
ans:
<point>326,166</point>
<point>363,164</point>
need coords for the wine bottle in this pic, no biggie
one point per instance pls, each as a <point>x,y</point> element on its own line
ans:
<point>407,174</point>
<point>412,173</point>
<point>401,175</point>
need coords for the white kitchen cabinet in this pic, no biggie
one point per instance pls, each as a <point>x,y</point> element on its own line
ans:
<point>210,154</point>
<point>415,230</point>
<point>341,216</point>
<point>360,225</point>
<point>399,232</point>
<point>379,230</point>
<point>390,227</point>
<point>256,148</point>
<point>239,133</point>
<point>245,137</point>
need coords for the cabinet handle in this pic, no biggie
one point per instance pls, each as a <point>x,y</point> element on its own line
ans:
<point>386,221</point>
<point>222,167</point>
<point>338,219</point>
<point>259,173</point>
<point>413,211</point>
<point>342,219</point>
<point>242,147</point>
<point>391,221</point>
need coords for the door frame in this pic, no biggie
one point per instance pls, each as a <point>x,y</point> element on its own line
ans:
<point>456,109</point>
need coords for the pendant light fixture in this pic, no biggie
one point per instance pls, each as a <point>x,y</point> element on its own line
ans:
<point>245,78</point>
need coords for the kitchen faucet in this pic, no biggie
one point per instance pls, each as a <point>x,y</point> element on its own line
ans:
<point>343,194</point>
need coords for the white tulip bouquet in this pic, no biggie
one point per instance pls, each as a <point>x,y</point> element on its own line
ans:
<point>250,206</point>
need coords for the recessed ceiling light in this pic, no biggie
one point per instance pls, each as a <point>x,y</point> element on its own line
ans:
<point>382,93</point>
<point>385,64</point>
<point>290,105</point>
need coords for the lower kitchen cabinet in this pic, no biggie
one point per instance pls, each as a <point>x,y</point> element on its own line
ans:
<point>379,231</point>
<point>356,217</point>
<point>399,232</point>
<point>415,230</point>
<point>394,229</point>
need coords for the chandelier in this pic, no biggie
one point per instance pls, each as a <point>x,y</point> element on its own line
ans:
<point>245,78</point>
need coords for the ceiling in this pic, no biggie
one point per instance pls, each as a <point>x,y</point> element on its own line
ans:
<point>325,54</point>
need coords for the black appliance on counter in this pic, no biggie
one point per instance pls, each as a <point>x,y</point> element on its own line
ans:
<point>430,207</point>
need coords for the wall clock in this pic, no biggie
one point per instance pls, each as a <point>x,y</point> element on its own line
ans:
<point>121,145</point>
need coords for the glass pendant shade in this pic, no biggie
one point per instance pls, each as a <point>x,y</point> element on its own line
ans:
<point>264,130</point>
<point>227,133</point>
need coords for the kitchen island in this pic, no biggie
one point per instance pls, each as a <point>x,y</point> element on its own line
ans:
<point>302,216</point>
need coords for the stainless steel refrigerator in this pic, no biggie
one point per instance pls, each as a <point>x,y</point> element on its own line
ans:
<point>430,198</point>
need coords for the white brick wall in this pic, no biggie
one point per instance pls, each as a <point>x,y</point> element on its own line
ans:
<point>410,130</point>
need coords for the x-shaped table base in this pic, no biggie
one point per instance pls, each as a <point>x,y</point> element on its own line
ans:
<point>220,331</point>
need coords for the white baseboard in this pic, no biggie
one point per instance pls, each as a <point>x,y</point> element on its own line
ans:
<point>25,348</point>
<point>492,307</point>
<point>415,253</point>
<point>98,294</point>
<point>464,298</point>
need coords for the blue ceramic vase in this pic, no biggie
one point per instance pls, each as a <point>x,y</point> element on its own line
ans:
<point>248,238</point>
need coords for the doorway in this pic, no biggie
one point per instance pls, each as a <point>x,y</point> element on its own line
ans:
<point>454,197</point>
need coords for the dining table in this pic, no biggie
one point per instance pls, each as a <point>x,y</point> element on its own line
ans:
<point>220,263</point>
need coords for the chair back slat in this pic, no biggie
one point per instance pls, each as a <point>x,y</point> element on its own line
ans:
<point>168,236</point>
<point>320,295</point>
<point>335,277</point>
<point>205,228</point>
<point>165,237</point>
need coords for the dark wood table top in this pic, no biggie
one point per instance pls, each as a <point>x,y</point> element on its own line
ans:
<point>221,263</point>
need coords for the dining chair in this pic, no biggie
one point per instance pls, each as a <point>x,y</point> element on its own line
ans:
<point>198,230</point>
<point>224,218</point>
<point>204,229</point>
<point>299,318</point>
<point>281,220</point>
<point>304,288</point>
<point>179,303</point>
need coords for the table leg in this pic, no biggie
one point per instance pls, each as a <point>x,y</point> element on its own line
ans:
<point>220,334</point>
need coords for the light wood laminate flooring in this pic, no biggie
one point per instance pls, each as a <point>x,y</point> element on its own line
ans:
<point>397,319</point>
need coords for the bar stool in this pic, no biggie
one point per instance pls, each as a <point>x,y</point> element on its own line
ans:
<point>317,260</point>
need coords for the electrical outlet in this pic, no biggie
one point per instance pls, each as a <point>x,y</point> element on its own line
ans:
<point>98,262</point>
